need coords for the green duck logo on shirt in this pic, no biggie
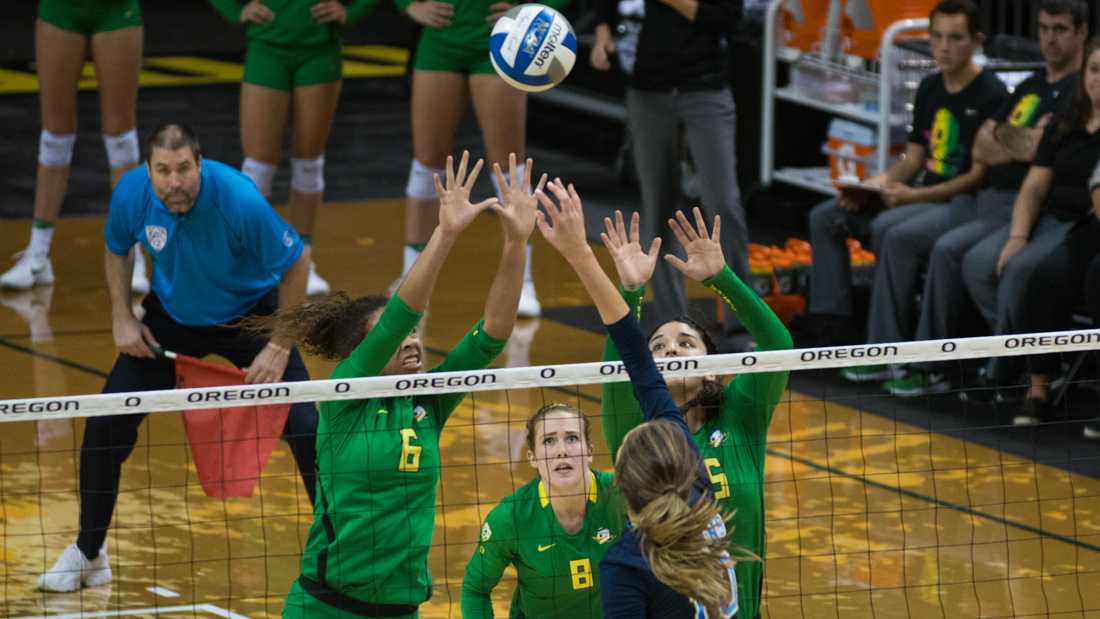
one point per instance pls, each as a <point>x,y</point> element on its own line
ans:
<point>486,532</point>
<point>717,438</point>
<point>1023,115</point>
<point>602,536</point>
<point>420,413</point>
<point>944,143</point>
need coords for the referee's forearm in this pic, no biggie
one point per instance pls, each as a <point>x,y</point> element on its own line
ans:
<point>292,287</point>
<point>117,270</point>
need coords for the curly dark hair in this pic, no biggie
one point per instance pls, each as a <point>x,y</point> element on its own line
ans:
<point>330,326</point>
<point>710,396</point>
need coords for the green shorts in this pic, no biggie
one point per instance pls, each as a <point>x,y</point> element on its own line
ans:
<point>90,16</point>
<point>284,68</point>
<point>433,53</point>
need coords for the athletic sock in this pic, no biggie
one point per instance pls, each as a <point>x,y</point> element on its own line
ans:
<point>41,237</point>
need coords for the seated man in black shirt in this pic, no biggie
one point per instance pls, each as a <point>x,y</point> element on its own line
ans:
<point>1052,224</point>
<point>1006,145</point>
<point>949,108</point>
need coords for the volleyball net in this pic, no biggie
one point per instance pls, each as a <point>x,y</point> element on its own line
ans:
<point>935,506</point>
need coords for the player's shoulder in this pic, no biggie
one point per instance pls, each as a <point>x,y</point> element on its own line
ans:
<point>604,479</point>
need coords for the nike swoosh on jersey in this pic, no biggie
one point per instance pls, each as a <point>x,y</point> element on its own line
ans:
<point>547,547</point>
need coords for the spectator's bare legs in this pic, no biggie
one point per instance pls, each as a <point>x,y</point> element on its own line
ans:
<point>314,108</point>
<point>438,102</point>
<point>502,115</point>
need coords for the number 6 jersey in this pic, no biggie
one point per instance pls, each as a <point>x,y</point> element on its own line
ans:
<point>377,472</point>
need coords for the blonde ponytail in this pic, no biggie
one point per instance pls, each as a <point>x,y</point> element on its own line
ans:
<point>655,470</point>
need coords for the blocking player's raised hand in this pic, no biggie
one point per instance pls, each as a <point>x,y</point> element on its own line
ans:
<point>703,248</point>
<point>456,212</point>
<point>517,214</point>
<point>634,264</point>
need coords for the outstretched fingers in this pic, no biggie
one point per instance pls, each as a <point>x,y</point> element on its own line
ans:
<point>469,184</point>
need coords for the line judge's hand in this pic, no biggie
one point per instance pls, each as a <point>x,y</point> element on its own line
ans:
<point>456,212</point>
<point>256,13</point>
<point>634,265</point>
<point>704,250</point>
<point>269,365</point>
<point>430,13</point>
<point>133,337</point>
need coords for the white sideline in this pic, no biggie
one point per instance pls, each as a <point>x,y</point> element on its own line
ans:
<point>34,409</point>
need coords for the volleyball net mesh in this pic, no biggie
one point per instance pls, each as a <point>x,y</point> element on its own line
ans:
<point>875,506</point>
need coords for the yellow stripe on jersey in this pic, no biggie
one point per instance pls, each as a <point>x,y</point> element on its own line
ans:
<point>593,490</point>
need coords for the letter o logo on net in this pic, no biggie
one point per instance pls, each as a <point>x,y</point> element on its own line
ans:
<point>748,361</point>
<point>548,373</point>
<point>132,401</point>
<point>342,388</point>
<point>948,347</point>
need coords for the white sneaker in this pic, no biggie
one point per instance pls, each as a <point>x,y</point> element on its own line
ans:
<point>29,271</point>
<point>316,285</point>
<point>529,306</point>
<point>139,281</point>
<point>73,569</point>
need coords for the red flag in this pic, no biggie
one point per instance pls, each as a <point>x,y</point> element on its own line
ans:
<point>230,446</point>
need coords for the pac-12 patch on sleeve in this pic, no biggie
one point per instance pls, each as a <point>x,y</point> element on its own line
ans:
<point>486,532</point>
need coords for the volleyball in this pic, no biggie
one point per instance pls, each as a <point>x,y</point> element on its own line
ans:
<point>533,47</point>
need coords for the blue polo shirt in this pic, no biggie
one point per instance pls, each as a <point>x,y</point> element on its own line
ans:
<point>213,263</point>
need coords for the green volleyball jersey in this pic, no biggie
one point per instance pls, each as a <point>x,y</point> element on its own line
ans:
<point>558,571</point>
<point>377,472</point>
<point>293,25</point>
<point>733,442</point>
<point>468,28</point>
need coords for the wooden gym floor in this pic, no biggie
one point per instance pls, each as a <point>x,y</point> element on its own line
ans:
<point>868,517</point>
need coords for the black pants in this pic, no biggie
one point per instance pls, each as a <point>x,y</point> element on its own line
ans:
<point>109,440</point>
<point>1054,289</point>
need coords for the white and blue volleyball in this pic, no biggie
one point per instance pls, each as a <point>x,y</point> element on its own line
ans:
<point>533,47</point>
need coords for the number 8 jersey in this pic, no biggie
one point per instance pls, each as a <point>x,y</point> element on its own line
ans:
<point>557,570</point>
<point>377,473</point>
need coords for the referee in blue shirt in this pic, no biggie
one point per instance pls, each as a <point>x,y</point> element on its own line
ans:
<point>219,253</point>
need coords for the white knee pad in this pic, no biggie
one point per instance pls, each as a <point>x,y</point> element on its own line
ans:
<point>308,175</point>
<point>262,174</point>
<point>122,150</point>
<point>421,185</point>
<point>521,169</point>
<point>56,150</point>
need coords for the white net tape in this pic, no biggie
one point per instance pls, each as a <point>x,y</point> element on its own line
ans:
<point>34,409</point>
